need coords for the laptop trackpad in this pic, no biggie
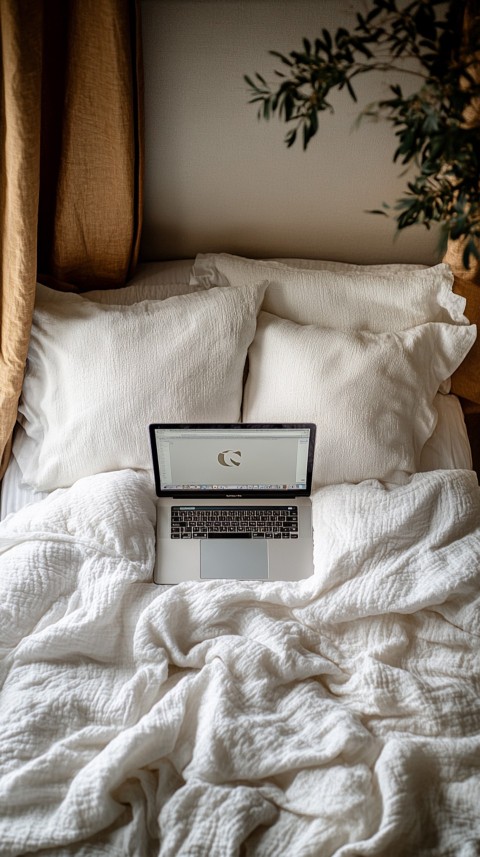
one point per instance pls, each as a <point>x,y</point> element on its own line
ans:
<point>234,559</point>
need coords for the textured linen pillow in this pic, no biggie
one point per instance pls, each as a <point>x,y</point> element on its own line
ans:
<point>329,265</point>
<point>342,299</point>
<point>151,281</point>
<point>98,375</point>
<point>370,394</point>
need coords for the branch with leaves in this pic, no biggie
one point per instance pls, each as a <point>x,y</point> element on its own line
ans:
<point>437,127</point>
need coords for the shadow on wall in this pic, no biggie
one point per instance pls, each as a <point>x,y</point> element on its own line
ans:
<point>218,180</point>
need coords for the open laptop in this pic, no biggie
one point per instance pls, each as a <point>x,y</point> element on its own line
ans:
<point>233,501</point>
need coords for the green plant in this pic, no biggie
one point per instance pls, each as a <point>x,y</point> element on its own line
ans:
<point>437,127</point>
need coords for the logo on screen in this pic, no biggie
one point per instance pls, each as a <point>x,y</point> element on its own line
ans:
<point>229,457</point>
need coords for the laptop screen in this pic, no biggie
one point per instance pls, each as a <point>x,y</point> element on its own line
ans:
<point>233,460</point>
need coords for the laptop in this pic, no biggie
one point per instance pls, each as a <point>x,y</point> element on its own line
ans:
<point>233,501</point>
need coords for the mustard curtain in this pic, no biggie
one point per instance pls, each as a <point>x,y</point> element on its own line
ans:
<point>70,161</point>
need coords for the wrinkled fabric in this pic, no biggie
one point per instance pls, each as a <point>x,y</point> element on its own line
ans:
<point>335,716</point>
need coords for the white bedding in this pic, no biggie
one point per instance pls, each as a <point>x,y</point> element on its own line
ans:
<point>338,716</point>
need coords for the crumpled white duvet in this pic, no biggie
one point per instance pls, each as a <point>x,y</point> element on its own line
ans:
<point>337,716</point>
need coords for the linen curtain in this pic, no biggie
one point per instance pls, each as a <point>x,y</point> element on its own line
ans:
<point>71,162</point>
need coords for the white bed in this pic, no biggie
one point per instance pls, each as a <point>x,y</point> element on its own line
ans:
<point>337,716</point>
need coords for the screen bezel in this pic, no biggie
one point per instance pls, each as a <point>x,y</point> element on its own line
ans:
<point>236,494</point>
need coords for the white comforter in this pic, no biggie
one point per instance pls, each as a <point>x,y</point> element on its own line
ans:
<point>339,716</point>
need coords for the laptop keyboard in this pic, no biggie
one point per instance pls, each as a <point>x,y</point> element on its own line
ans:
<point>234,522</point>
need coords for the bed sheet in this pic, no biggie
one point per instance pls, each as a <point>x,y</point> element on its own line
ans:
<point>336,716</point>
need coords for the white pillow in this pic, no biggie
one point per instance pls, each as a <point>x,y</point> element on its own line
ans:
<point>98,375</point>
<point>343,299</point>
<point>329,265</point>
<point>370,394</point>
<point>151,281</point>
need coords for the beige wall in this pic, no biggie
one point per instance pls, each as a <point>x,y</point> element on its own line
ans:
<point>219,180</point>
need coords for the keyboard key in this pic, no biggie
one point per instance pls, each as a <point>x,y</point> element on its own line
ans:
<point>229,535</point>
<point>234,522</point>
